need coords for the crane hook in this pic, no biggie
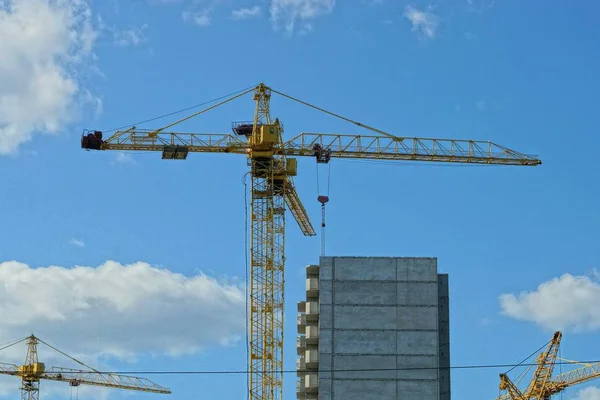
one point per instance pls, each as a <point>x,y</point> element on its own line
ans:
<point>323,200</point>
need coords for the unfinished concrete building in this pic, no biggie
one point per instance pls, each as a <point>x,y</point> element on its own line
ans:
<point>388,315</point>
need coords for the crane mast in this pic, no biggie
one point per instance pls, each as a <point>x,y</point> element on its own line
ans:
<point>272,169</point>
<point>30,372</point>
<point>266,254</point>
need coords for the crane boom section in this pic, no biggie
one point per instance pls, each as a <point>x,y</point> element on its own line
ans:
<point>77,377</point>
<point>297,208</point>
<point>340,146</point>
<point>576,376</point>
<point>9,369</point>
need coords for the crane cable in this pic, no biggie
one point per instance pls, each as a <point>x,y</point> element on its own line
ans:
<point>66,355</point>
<point>236,93</point>
<point>294,371</point>
<point>6,345</point>
<point>323,199</point>
<point>246,251</point>
<point>529,356</point>
<point>338,116</point>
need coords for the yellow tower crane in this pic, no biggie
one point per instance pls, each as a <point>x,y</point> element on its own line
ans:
<point>272,168</point>
<point>542,386</point>
<point>33,371</point>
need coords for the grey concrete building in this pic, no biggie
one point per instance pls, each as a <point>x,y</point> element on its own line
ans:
<point>380,313</point>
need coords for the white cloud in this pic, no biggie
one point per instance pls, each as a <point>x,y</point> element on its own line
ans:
<point>589,393</point>
<point>83,310</point>
<point>77,242</point>
<point>424,22</point>
<point>287,12</point>
<point>46,42</point>
<point>245,13</point>
<point>565,303</point>
<point>199,18</point>
<point>131,36</point>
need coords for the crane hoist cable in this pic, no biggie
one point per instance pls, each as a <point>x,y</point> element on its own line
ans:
<point>323,198</point>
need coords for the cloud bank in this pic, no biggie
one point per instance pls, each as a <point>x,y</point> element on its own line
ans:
<point>116,310</point>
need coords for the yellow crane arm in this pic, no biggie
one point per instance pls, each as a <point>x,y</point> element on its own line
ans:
<point>9,369</point>
<point>574,377</point>
<point>76,377</point>
<point>292,200</point>
<point>405,148</point>
<point>308,144</point>
<point>149,140</point>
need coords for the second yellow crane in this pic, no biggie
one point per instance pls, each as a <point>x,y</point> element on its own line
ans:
<point>272,169</point>
<point>33,371</point>
<point>542,385</point>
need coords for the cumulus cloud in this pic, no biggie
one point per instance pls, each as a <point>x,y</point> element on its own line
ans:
<point>564,303</point>
<point>424,22</point>
<point>44,45</point>
<point>118,311</point>
<point>245,13</point>
<point>285,13</point>
<point>589,393</point>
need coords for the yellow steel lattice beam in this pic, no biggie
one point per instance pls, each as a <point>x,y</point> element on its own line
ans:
<point>341,146</point>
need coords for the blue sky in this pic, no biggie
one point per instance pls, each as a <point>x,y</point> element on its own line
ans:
<point>521,74</point>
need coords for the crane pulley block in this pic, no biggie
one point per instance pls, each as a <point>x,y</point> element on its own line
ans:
<point>322,155</point>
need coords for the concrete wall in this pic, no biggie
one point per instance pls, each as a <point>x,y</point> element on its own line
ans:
<point>381,313</point>
<point>444,336</point>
